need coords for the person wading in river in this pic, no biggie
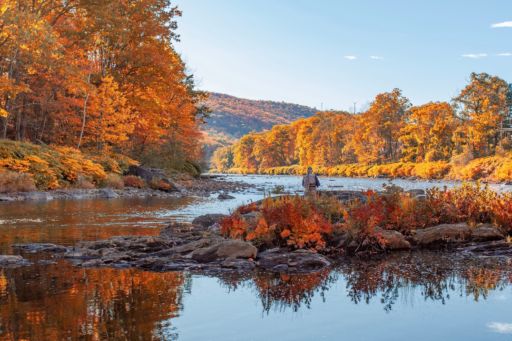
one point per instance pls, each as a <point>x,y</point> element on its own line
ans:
<point>310,182</point>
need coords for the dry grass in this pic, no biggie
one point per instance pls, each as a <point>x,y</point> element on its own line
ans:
<point>16,182</point>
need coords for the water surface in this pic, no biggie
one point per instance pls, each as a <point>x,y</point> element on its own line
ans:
<point>423,296</point>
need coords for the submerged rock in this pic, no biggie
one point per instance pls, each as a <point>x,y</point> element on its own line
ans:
<point>10,261</point>
<point>442,235</point>
<point>280,260</point>
<point>225,196</point>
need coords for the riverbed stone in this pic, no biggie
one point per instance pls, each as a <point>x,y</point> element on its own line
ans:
<point>10,261</point>
<point>40,247</point>
<point>486,232</point>
<point>207,220</point>
<point>225,196</point>
<point>225,249</point>
<point>443,234</point>
<point>282,260</point>
<point>108,193</point>
<point>393,240</point>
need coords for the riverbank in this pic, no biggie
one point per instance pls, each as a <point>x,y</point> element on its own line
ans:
<point>202,186</point>
<point>495,169</point>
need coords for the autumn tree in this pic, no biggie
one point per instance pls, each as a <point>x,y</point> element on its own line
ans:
<point>427,135</point>
<point>482,107</point>
<point>376,137</point>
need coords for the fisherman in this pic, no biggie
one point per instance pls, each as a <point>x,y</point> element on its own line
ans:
<point>310,182</point>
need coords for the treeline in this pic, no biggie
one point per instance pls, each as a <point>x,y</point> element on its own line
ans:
<point>100,76</point>
<point>390,132</point>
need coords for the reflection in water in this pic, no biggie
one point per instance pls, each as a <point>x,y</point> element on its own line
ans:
<point>398,276</point>
<point>60,302</point>
<point>63,302</point>
<point>66,222</point>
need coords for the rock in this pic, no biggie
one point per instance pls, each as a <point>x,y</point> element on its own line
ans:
<point>40,247</point>
<point>280,260</point>
<point>107,193</point>
<point>345,196</point>
<point>192,246</point>
<point>7,198</point>
<point>208,220</point>
<point>148,174</point>
<point>9,261</point>
<point>442,235</point>
<point>38,196</point>
<point>418,193</point>
<point>238,264</point>
<point>393,240</point>
<point>492,248</point>
<point>225,196</point>
<point>225,249</point>
<point>155,177</point>
<point>485,233</point>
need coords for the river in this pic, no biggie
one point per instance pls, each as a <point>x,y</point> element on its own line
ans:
<point>423,296</point>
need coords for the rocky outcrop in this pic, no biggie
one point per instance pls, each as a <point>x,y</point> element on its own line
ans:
<point>155,177</point>
<point>225,249</point>
<point>444,234</point>
<point>456,234</point>
<point>292,261</point>
<point>485,233</point>
<point>392,240</point>
<point>9,261</point>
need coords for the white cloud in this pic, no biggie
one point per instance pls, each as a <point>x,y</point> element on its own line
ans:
<point>502,24</point>
<point>505,54</point>
<point>500,327</point>
<point>376,57</point>
<point>350,57</point>
<point>475,55</point>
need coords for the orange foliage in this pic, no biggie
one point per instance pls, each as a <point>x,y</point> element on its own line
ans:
<point>288,220</point>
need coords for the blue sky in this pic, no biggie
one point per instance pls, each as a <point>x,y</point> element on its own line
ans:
<point>340,52</point>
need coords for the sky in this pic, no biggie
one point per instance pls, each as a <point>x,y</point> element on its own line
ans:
<point>331,54</point>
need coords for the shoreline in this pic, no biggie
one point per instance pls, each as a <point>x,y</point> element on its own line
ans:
<point>203,186</point>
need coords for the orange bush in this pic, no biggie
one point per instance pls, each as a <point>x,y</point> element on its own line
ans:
<point>288,220</point>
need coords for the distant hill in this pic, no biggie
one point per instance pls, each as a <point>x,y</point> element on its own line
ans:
<point>233,117</point>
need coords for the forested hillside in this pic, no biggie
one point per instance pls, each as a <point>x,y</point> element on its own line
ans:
<point>98,76</point>
<point>233,117</point>
<point>462,139</point>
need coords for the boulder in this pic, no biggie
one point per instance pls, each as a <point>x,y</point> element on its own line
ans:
<point>155,177</point>
<point>444,234</point>
<point>281,260</point>
<point>393,240</point>
<point>208,220</point>
<point>485,233</point>
<point>225,196</point>
<point>9,261</point>
<point>107,193</point>
<point>223,250</point>
<point>148,174</point>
